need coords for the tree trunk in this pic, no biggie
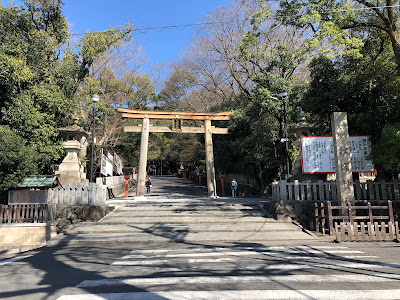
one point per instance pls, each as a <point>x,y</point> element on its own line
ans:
<point>260,174</point>
<point>395,39</point>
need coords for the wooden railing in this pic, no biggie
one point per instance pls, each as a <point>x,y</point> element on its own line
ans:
<point>347,224</point>
<point>27,213</point>
<point>326,191</point>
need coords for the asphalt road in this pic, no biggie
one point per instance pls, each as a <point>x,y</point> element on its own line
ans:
<point>182,270</point>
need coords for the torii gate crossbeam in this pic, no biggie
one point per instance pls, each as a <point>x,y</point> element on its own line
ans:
<point>176,118</point>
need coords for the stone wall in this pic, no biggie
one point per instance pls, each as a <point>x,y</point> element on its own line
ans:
<point>68,215</point>
<point>118,190</point>
<point>288,211</point>
<point>26,234</point>
<point>116,184</point>
<point>300,210</point>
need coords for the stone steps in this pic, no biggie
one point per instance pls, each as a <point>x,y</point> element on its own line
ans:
<point>167,237</point>
<point>187,218</point>
<point>195,227</point>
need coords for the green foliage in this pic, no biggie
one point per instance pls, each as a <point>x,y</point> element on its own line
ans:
<point>39,77</point>
<point>387,151</point>
<point>338,27</point>
<point>17,160</point>
<point>96,43</point>
<point>367,89</point>
<point>254,145</point>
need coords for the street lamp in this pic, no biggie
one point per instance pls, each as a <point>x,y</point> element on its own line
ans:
<point>95,99</point>
<point>283,94</point>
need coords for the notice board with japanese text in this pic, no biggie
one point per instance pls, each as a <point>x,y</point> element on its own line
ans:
<point>317,154</point>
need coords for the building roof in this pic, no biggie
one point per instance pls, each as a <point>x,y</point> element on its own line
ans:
<point>38,181</point>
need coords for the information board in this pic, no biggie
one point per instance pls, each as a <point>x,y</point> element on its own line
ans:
<point>317,154</point>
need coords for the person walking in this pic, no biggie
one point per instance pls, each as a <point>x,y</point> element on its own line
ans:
<point>148,184</point>
<point>234,186</point>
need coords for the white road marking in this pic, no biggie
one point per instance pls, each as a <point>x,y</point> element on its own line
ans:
<point>360,256</point>
<point>244,294</point>
<point>268,266</point>
<point>7,261</point>
<point>141,263</point>
<point>141,282</point>
<point>224,259</point>
<point>236,253</point>
<point>155,251</point>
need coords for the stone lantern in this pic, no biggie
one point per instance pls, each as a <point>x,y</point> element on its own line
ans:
<point>71,171</point>
<point>301,128</point>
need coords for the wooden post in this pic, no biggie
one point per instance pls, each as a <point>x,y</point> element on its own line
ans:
<point>316,215</point>
<point>323,218</point>
<point>330,219</point>
<point>371,219</point>
<point>211,183</point>
<point>350,213</point>
<point>222,177</point>
<point>341,145</point>
<point>390,209</point>
<point>144,142</point>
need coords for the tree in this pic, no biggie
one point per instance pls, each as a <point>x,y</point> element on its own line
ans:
<point>386,152</point>
<point>344,23</point>
<point>213,56</point>
<point>366,88</point>
<point>39,77</point>
<point>276,53</point>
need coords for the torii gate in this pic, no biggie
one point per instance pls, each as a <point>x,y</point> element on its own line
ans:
<point>176,126</point>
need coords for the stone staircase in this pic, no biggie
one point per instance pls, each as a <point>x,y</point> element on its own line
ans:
<point>206,221</point>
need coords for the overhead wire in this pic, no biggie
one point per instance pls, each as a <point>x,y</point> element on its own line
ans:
<point>145,30</point>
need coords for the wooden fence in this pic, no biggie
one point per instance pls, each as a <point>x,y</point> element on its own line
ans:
<point>93,194</point>
<point>347,224</point>
<point>27,213</point>
<point>367,232</point>
<point>326,191</point>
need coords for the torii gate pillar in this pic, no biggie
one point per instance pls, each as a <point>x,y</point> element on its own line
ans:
<point>211,184</point>
<point>144,143</point>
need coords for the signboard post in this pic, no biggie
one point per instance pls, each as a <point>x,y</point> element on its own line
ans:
<point>341,146</point>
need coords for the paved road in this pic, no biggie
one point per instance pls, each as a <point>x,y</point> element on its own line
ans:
<point>117,260</point>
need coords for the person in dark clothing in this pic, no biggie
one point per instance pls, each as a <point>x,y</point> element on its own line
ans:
<point>148,184</point>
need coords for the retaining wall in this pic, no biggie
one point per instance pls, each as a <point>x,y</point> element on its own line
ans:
<point>26,234</point>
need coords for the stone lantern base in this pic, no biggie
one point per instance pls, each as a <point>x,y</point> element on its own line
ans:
<point>71,170</point>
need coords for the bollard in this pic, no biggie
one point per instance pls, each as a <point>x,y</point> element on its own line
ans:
<point>126,188</point>
<point>199,179</point>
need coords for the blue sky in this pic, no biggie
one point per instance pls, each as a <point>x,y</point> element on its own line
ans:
<point>159,46</point>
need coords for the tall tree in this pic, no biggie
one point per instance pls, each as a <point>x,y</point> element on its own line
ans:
<point>39,76</point>
<point>344,22</point>
<point>275,53</point>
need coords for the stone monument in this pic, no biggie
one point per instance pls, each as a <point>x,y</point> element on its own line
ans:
<point>71,171</point>
<point>341,145</point>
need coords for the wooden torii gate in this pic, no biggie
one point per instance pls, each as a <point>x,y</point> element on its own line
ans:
<point>176,126</point>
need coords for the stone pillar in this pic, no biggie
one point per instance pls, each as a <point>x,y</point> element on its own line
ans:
<point>211,183</point>
<point>144,143</point>
<point>341,145</point>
